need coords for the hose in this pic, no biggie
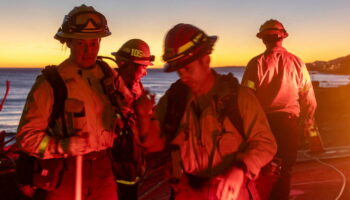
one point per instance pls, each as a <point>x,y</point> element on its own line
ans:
<point>341,191</point>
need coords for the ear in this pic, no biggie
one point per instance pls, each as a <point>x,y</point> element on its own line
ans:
<point>205,60</point>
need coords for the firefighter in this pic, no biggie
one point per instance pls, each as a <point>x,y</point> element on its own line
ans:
<point>86,127</point>
<point>282,84</point>
<point>217,131</point>
<point>132,59</point>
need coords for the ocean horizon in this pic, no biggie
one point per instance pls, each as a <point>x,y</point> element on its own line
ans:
<point>22,79</point>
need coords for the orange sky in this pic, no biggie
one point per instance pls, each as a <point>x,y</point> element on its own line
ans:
<point>318,29</point>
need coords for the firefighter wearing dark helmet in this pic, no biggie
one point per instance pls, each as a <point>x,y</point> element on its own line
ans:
<point>282,84</point>
<point>132,59</point>
<point>205,118</point>
<point>86,126</point>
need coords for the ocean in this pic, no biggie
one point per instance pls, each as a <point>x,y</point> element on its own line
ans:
<point>156,81</point>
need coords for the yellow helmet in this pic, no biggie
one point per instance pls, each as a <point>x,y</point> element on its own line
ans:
<point>272,27</point>
<point>83,22</point>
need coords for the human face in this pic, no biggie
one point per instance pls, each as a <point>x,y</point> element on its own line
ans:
<point>133,72</point>
<point>195,74</point>
<point>83,52</point>
<point>139,71</point>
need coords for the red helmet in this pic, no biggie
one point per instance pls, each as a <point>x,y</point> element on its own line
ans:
<point>272,27</point>
<point>136,51</point>
<point>185,43</point>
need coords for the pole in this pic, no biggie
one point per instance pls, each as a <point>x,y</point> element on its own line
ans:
<point>79,177</point>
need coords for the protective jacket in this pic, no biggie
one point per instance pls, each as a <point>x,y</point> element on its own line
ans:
<point>282,84</point>
<point>91,110</point>
<point>209,143</point>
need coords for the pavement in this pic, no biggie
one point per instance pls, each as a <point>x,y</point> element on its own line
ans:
<point>322,176</point>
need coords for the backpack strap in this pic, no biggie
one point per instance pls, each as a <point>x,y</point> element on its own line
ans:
<point>60,95</point>
<point>178,95</point>
<point>107,81</point>
<point>177,100</point>
<point>106,69</point>
<point>230,102</point>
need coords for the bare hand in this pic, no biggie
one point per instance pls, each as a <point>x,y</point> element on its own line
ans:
<point>230,185</point>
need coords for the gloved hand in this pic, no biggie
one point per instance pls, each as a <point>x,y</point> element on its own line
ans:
<point>76,145</point>
<point>230,184</point>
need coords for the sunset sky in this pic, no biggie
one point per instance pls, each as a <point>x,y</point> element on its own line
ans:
<point>318,29</point>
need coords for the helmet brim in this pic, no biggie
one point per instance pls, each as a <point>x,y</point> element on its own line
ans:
<point>272,32</point>
<point>173,66</point>
<point>140,62</point>
<point>61,34</point>
<point>143,62</point>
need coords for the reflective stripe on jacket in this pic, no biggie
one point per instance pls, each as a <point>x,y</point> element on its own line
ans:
<point>282,84</point>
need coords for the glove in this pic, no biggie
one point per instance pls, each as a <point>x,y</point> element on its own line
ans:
<point>76,145</point>
<point>230,184</point>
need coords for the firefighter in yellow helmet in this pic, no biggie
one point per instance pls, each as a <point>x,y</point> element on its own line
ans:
<point>55,133</point>
<point>206,119</point>
<point>282,84</point>
<point>132,59</point>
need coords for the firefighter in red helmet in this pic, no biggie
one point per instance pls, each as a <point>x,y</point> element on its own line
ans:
<point>205,119</point>
<point>282,84</point>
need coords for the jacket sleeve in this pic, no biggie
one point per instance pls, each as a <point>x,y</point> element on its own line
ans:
<point>250,77</point>
<point>307,100</point>
<point>32,137</point>
<point>260,143</point>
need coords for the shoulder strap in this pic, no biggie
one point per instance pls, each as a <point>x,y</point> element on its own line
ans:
<point>107,81</point>
<point>60,95</point>
<point>177,100</point>
<point>230,102</point>
<point>106,69</point>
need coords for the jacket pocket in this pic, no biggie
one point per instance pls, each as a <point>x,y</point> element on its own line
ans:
<point>75,116</point>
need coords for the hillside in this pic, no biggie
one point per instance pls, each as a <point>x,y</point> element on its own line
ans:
<point>337,66</point>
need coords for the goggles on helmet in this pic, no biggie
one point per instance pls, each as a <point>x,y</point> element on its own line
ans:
<point>86,22</point>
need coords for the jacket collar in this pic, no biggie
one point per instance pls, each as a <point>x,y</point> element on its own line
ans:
<point>69,69</point>
<point>275,49</point>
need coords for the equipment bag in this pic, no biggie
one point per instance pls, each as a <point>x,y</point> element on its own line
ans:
<point>46,173</point>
